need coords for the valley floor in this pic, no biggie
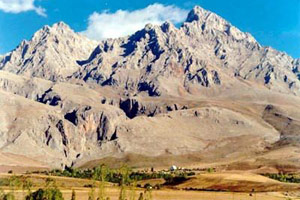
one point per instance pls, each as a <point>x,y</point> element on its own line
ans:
<point>168,194</point>
<point>274,190</point>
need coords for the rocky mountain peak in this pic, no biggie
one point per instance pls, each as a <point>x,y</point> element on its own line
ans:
<point>60,25</point>
<point>51,53</point>
<point>209,19</point>
<point>196,14</point>
<point>208,22</point>
<point>58,29</point>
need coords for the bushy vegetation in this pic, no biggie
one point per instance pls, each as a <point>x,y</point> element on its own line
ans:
<point>155,175</point>
<point>288,178</point>
<point>50,192</point>
<point>8,196</point>
<point>46,194</point>
<point>14,183</point>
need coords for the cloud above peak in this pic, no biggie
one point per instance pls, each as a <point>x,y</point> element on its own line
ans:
<point>18,6</point>
<point>123,22</point>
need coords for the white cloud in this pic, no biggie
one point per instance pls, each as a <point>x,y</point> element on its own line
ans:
<point>123,22</point>
<point>17,6</point>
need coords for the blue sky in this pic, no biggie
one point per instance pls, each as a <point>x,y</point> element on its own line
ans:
<point>273,23</point>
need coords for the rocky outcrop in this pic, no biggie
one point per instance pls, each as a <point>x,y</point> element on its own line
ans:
<point>286,126</point>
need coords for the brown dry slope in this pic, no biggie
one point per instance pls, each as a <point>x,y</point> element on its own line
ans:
<point>236,182</point>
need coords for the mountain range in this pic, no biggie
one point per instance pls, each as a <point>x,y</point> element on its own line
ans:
<point>204,94</point>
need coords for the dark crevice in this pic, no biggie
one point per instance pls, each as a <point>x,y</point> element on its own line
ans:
<point>48,136</point>
<point>60,127</point>
<point>102,129</point>
<point>72,117</point>
<point>148,87</point>
<point>40,99</point>
<point>92,56</point>
<point>130,107</point>
<point>47,98</point>
<point>114,136</point>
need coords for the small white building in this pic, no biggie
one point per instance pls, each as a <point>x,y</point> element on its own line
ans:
<point>173,168</point>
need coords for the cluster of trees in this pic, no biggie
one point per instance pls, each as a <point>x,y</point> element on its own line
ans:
<point>50,192</point>
<point>13,183</point>
<point>115,175</point>
<point>154,175</point>
<point>288,178</point>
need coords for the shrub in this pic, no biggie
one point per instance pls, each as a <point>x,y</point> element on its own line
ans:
<point>141,197</point>
<point>210,170</point>
<point>47,194</point>
<point>147,185</point>
<point>88,185</point>
<point>8,196</point>
<point>157,186</point>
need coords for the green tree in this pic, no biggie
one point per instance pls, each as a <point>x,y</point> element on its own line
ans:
<point>141,197</point>
<point>26,184</point>
<point>50,192</point>
<point>101,173</point>
<point>125,180</point>
<point>9,196</point>
<point>73,196</point>
<point>92,192</point>
<point>132,190</point>
<point>13,183</point>
<point>148,194</point>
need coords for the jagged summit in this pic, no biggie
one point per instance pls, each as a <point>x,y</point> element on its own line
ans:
<point>209,21</point>
<point>197,13</point>
<point>59,29</point>
<point>56,28</point>
<point>61,25</point>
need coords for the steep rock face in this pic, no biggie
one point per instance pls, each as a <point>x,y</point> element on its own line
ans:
<point>287,127</point>
<point>69,123</point>
<point>150,107</point>
<point>33,130</point>
<point>29,88</point>
<point>296,67</point>
<point>42,56</point>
